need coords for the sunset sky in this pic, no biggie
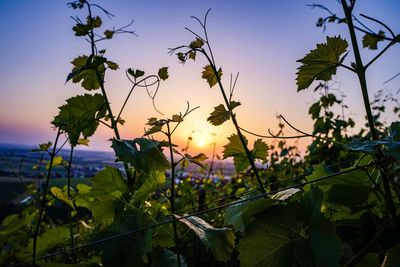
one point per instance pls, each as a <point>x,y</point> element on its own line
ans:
<point>259,39</point>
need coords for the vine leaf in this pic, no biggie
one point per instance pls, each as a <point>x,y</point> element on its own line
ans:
<point>198,43</point>
<point>135,74</point>
<point>144,154</point>
<point>221,241</point>
<point>85,68</point>
<point>198,159</point>
<point>272,239</point>
<point>62,195</point>
<point>242,214</point>
<point>322,62</point>
<point>163,73</point>
<point>104,196</point>
<point>80,116</point>
<point>371,41</point>
<point>219,115</point>
<point>236,150</point>
<point>234,104</point>
<point>209,75</point>
<point>152,182</point>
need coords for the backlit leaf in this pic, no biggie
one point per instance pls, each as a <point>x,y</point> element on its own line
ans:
<point>152,182</point>
<point>144,154</point>
<point>371,41</point>
<point>80,116</point>
<point>321,63</point>
<point>62,195</point>
<point>209,75</point>
<point>260,150</point>
<point>219,115</point>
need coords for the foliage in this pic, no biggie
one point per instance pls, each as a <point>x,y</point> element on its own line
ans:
<point>339,205</point>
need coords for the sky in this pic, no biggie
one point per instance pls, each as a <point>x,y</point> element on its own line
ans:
<point>260,40</point>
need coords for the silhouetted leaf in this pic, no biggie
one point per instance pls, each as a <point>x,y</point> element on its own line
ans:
<point>219,115</point>
<point>371,41</point>
<point>108,34</point>
<point>233,104</point>
<point>321,63</point>
<point>209,75</point>
<point>136,74</point>
<point>163,73</point>
<point>198,43</point>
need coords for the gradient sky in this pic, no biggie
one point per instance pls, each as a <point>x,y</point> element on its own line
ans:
<point>261,41</point>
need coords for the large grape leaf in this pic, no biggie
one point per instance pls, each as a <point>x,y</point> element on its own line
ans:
<point>321,63</point>
<point>272,240</point>
<point>80,116</point>
<point>104,196</point>
<point>85,69</point>
<point>152,181</point>
<point>144,154</point>
<point>242,214</point>
<point>221,241</point>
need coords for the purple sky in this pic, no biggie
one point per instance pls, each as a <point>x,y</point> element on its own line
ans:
<point>261,41</point>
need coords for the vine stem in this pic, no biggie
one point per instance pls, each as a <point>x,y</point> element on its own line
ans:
<point>235,123</point>
<point>114,123</point>
<point>43,203</point>
<point>361,69</point>
<point>71,229</point>
<point>172,198</point>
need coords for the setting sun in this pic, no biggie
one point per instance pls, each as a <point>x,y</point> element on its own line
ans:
<point>201,142</point>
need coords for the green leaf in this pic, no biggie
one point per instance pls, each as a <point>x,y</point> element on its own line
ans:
<point>219,115</point>
<point>198,159</point>
<point>84,71</point>
<point>314,110</point>
<point>62,195</point>
<point>371,41</point>
<point>234,147</point>
<point>112,65</point>
<point>272,239</point>
<point>144,154</point>
<point>242,214</point>
<point>43,147</point>
<point>152,183</point>
<point>103,198</point>
<point>136,74</point>
<point>57,161</point>
<point>321,63</point>
<point>80,116</point>
<point>233,104</point>
<point>221,241</point>
<point>108,34</point>
<point>166,258</point>
<point>53,237</point>
<point>260,150</point>
<point>163,73</point>
<point>198,43</point>
<point>209,75</point>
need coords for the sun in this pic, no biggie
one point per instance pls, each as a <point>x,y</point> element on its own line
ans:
<point>201,142</point>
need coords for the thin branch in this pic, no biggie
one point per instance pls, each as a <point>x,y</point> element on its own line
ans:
<point>381,23</point>
<point>382,51</point>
